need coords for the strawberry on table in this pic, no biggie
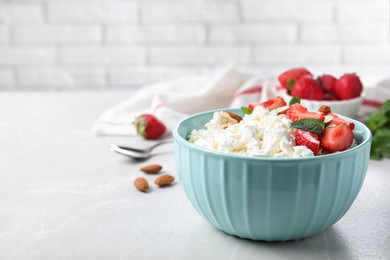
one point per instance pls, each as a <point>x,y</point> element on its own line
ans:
<point>308,88</point>
<point>297,112</point>
<point>271,104</point>
<point>348,86</point>
<point>149,126</point>
<point>336,138</point>
<point>288,78</point>
<point>309,139</point>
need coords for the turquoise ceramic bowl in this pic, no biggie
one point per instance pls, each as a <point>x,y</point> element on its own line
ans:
<point>270,199</point>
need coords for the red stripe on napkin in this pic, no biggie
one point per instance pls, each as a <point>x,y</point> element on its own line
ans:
<point>158,107</point>
<point>372,103</point>
<point>253,90</point>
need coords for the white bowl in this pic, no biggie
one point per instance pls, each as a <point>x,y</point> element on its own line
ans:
<point>347,108</point>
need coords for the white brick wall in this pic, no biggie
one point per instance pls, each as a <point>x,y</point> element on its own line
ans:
<point>101,55</point>
<point>190,12</point>
<point>26,55</point>
<point>11,13</point>
<point>96,12</point>
<point>158,34</point>
<point>57,34</point>
<point>118,44</point>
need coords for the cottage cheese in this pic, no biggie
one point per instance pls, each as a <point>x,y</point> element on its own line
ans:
<point>263,133</point>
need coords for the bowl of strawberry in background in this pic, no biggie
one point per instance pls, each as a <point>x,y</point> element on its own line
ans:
<point>344,95</point>
<point>269,198</point>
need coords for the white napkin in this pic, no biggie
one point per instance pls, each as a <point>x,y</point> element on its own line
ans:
<point>173,100</point>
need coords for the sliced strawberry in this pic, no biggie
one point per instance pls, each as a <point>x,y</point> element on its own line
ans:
<point>149,126</point>
<point>297,111</point>
<point>327,83</point>
<point>289,77</point>
<point>348,86</point>
<point>271,104</point>
<point>307,88</point>
<point>338,120</point>
<point>308,139</point>
<point>336,138</point>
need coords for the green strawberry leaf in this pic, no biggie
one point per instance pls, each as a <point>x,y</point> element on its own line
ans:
<point>294,100</point>
<point>246,110</point>
<point>309,124</point>
<point>290,84</point>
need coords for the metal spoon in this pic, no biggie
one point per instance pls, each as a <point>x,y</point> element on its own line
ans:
<point>137,153</point>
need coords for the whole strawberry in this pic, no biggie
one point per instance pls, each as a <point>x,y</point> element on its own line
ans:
<point>348,86</point>
<point>307,88</point>
<point>288,78</point>
<point>149,126</point>
<point>327,82</point>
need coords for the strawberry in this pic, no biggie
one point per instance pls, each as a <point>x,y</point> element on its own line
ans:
<point>330,96</point>
<point>297,111</point>
<point>348,86</point>
<point>308,139</point>
<point>337,120</point>
<point>327,83</point>
<point>336,138</point>
<point>307,88</point>
<point>289,77</point>
<point>271,104</point>
<point>149,126</point>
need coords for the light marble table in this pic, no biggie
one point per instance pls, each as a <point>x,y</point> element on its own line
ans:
<point>64,195</point>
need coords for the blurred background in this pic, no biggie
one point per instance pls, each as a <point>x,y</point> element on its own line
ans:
<point>124,44</point>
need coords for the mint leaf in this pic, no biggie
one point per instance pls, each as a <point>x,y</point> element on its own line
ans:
<point>309,124</point>
<point>294,100</point>
<point>246,110</point>
<point>380,118</point>
<point>379,124</point>
<point>380,146</point>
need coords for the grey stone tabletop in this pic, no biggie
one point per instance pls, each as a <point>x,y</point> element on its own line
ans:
<point>64,195</point>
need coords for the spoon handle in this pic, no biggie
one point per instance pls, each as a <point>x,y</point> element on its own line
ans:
<point>160,143</point>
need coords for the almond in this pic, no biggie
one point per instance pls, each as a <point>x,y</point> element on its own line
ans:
<point>141,184</point>
<point>328,119</point>
<point>234,116</point>
<point>282,110</point>
<point>324,109</point>
<point>151,169</point>
<point>164,180</point>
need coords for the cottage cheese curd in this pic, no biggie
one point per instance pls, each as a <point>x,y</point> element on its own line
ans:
<point>263,133</point>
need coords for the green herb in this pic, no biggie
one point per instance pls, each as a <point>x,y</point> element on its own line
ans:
<point>294,100</point>
<point>246,110</point>
<point>309,124</point>
<point>379,124</point>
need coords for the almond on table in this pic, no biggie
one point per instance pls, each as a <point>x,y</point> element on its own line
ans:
<point>141,184</point>
<point>164,180</point>
<point>151,169</point>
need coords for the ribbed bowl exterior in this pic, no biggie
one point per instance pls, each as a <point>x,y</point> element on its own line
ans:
<point>270,199</point>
